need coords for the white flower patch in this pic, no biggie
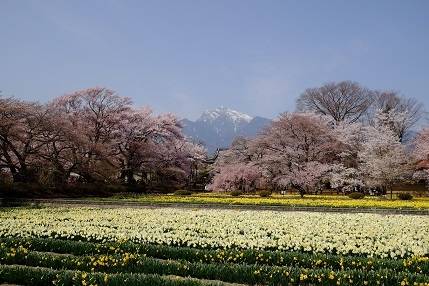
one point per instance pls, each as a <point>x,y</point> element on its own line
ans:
<point>366,234</point>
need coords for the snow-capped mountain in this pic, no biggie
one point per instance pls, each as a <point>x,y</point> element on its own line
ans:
<point>217,128</point>
<point>223,112</point>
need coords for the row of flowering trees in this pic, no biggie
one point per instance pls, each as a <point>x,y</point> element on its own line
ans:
<point>343,136</point>
<point>93,135</point>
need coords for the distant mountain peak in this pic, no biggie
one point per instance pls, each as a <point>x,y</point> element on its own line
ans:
<point>225,113</point>
<point>216,128</point>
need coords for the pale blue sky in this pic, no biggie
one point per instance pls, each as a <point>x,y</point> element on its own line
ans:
<point>188,56</point>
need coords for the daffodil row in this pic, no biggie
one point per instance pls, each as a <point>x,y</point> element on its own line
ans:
<point>371,235</point>
<point>41,276</point>
<point>238,273</point>
<point>260,257</point>
<point>309,201</point>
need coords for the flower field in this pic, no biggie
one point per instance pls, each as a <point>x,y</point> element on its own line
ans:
<point>286,200</point>
<point>172,246</point>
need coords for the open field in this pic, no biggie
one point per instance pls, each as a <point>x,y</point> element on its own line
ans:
<point>282,200</point>
<point>169,246</point>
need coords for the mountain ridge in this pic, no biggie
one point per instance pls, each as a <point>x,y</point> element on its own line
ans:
<point>218,127</point>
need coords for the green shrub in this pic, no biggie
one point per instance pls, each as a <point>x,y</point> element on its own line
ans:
<point>356,196</point>
<point>236,193</point>
<point>182,193</point>
<point>264,194</point>
<point>405,196</point>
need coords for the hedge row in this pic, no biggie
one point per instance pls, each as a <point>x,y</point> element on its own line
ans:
<point>239,273</point>
<point>297,259</point>
<point>27,275</point>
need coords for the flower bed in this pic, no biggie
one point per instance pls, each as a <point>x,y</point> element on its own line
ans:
<point>169,246</point>
<point>357,234</point>
<point>308,201</point>
<point>112,262</point>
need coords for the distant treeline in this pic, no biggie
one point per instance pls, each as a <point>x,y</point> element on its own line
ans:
<point>92,136</point>
<point>342,136</point>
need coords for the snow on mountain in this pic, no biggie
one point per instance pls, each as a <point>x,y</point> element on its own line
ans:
<point>225,113</point>
<point>217,128</point>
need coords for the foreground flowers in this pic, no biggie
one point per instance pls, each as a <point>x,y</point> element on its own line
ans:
<point>366,234</point>
<point>251,267</point>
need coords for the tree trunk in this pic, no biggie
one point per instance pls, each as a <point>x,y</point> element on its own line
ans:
<point>300,189</point>
<point>23,175</point>
<point>127,176</point>
<point>130,177</point>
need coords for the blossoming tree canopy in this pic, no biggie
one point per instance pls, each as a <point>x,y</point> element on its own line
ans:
<point>301,146</point>
<point>421,154</point>
<point>94,133</point>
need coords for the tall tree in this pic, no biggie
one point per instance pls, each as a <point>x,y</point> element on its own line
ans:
<point>142,141</point>
<point>96,114</point>
<point>239,152</point>
<point>343,101</point>
<point>382,158</point>
<point>397,113</point>
<point>62,142</point>
<point>298,150</point>
<point>421,143</point>
<point>421,155</point>
<point>236,177</point>
<point>136,130</point>
<point>96,134</point>
<point>21,127</point>
<point>177,160</point>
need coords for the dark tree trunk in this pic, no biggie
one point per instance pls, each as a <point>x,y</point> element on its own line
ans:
<point>129,176</point>
<point>24,175</point>
<point>300,189</point>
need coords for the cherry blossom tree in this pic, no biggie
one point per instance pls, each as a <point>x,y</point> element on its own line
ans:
<point>94,113</point>
<point>21,127</point>
<point>351,137</point>
<point>153,146</point>
<point>94,134</point>
<point>238,176</point>
<point>421,155</point>
<point>235,168</point>
<point>99,136</point>
<point>398,113</point>
<point>383,159</point>
<point>136,129</point>
<point>298,150</point>
<point>346,175</point>
<point>59,151</point>
<point>421,143</point>
<point>346,179</point>
<point>177,162</point>
<point>239,151</point>
<point>304,176</point>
